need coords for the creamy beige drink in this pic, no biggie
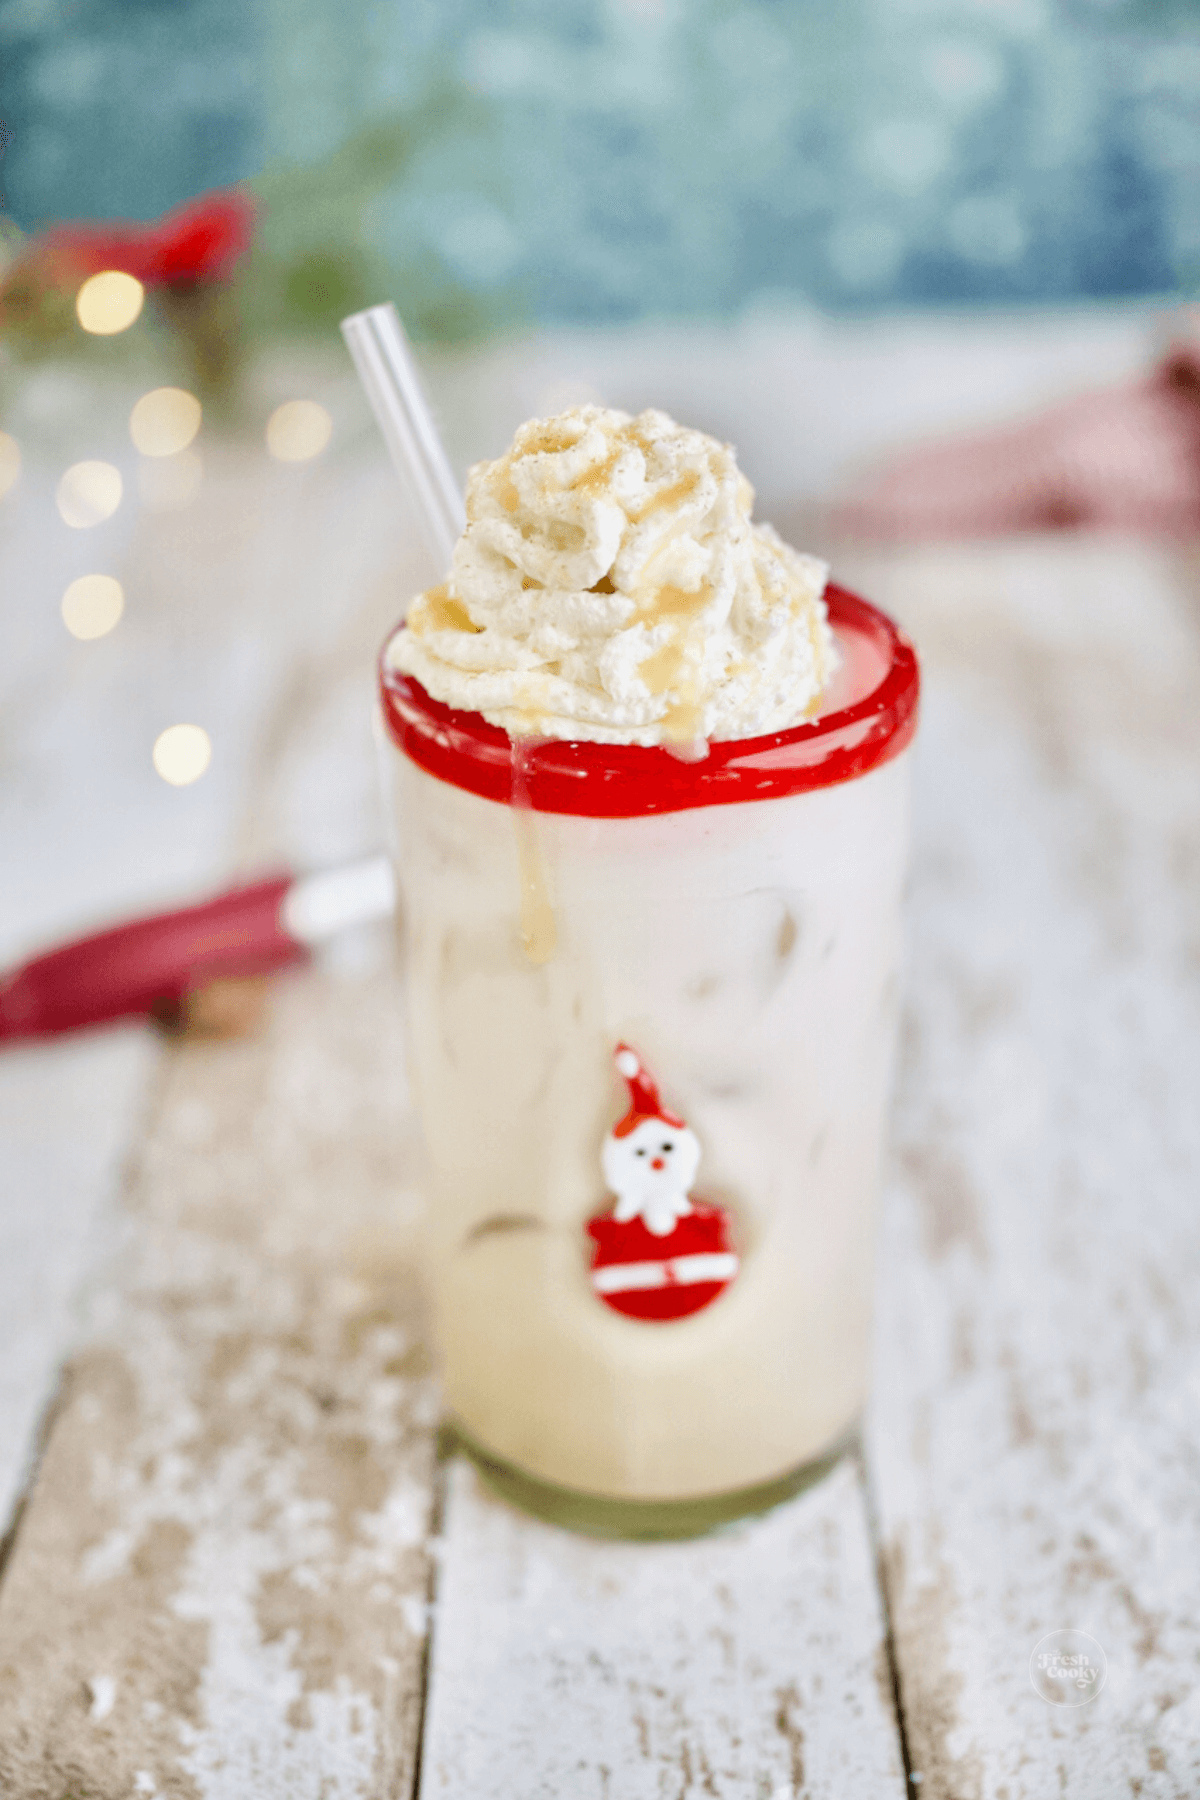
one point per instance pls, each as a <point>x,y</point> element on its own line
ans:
<point>651,938</point>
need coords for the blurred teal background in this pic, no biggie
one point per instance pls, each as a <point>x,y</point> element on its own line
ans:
<point>588,161</point>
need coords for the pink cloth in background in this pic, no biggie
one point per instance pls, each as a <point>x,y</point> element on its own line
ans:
<point>1126,459</point>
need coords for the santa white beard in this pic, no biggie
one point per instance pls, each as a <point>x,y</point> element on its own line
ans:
<point>658,1195</point>
<point>659,1212</point>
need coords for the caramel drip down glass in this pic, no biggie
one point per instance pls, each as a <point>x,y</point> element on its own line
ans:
<point>728,930</point>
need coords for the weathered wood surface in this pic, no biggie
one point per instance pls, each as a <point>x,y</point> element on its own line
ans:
<point>748,1664</point>
<point>59,1182</point>
<point>239,1459</point>
<point>1034,1431</point>
<point>56,868</point>
<point>255,612</point>
<point>218,1584</point>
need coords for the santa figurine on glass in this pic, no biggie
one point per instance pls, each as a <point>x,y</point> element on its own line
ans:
<point>659,1255</point>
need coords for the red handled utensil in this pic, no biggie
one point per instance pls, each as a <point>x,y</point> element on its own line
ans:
<point>150,967</point>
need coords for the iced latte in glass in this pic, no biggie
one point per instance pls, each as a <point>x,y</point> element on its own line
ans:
<point>647,780</point>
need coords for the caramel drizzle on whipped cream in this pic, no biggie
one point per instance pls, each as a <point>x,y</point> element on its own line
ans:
<point>611,584</point>
<point>439,610</point>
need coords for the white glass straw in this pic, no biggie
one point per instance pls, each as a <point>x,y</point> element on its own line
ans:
<point>375,339</point>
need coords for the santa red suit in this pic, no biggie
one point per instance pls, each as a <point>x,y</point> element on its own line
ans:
<point>658,1254</point>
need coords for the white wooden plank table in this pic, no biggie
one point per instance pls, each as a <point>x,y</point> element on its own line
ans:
<point>1034,1439</point>
<point>240,1570</point>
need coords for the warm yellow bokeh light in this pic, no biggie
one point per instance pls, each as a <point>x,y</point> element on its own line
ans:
<point>297,430</point>
<point>92,605</point>
<point>166,483</point>
<point>109,302</point>
<point>182,753</point>
<point>164,421</point>
<point>88,493</point>
<point>10,461</point>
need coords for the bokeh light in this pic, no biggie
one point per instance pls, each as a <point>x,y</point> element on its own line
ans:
<point>182,753</point>
<point>92,605</point>
<point>164,421</point>
<point>298,430</point>
<point>167,483</point>
<point>10,461</point>
<point>109,302</point>
<point>88,493</point>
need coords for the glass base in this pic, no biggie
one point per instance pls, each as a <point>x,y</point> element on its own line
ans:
<point>607,1516</point>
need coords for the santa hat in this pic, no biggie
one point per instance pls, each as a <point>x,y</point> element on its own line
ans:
<point>644,1102</point>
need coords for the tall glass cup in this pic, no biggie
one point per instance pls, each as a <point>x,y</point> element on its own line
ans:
<point>651,1008</point>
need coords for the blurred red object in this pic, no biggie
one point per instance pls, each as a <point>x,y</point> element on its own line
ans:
<point>200,241</point>
<point>150,967</point>
<point>1124,459</point>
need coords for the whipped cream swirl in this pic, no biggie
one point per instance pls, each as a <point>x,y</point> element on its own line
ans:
<point>611,585</point>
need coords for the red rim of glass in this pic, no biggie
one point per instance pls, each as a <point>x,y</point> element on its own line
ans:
<point>622,781</point>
